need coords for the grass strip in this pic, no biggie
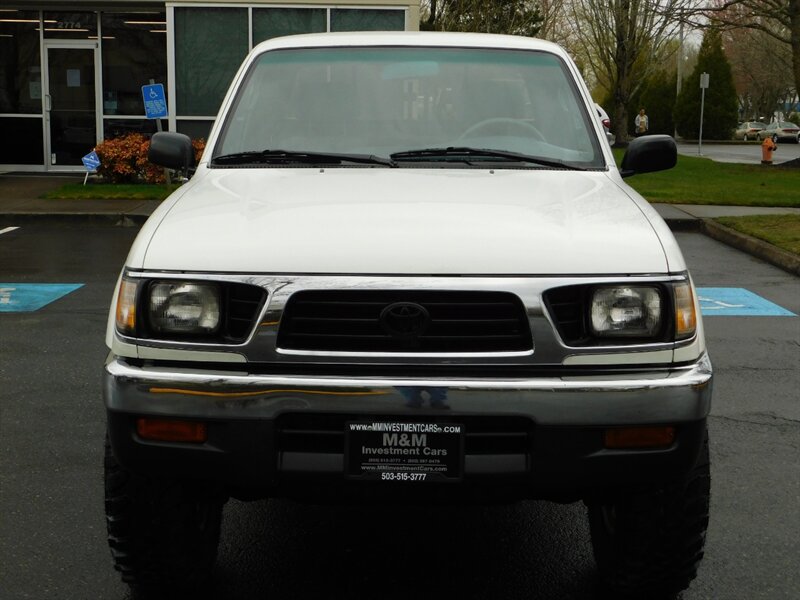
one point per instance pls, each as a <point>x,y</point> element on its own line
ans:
<point>110,191</point>
<point>694,180</point>
<point>697,180</point>
<point>782,231</point>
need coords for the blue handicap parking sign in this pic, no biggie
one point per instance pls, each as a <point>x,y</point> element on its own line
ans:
<point>731,302</point>
<point>29,297</point>
<point>91,161</point>
<point>155,102</point>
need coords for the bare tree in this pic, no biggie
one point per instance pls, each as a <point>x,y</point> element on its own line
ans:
<point>625,41</point>
<point>762,71</point>
<point>555,19</point>
<point>515,17</point>
<point>779,19</point>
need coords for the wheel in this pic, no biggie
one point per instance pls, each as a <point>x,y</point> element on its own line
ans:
<point>775,138</point>
<point>648,544</point>
<point>745,137</point>
<point>163,533</point>
<point>487,123</point>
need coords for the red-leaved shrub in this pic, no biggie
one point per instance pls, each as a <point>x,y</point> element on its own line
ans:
<point>124,159</point>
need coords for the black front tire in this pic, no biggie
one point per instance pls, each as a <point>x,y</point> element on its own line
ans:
<point>649,543</point>
<point>163,533</point>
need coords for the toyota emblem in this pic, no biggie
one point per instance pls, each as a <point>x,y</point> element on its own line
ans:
<point>404,320</point>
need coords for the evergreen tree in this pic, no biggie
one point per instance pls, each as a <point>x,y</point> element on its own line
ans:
<point>721,113</point>
<point>657,98</point>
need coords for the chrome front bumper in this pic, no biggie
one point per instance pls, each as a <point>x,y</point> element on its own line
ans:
<point>641,397</point>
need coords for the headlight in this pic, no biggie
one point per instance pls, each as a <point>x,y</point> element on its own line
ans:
<point>626,311</point>
<point>180,307</point>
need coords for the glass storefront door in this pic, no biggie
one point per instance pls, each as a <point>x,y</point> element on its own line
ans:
<point>70,103</point>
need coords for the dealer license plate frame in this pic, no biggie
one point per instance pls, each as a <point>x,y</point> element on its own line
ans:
<point>405,465</point>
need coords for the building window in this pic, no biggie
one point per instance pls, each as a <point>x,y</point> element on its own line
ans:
<point>23,141</point>
<point>352,19</point>
<point>210,44</point>
<point>20,70</point>
<point>134,54</point>
<point>114,128</point>
<point>275,22</point>
<point>195,129</point>
<point>70,25</point>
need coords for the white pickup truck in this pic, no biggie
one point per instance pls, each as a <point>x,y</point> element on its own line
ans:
<point>408,267</point>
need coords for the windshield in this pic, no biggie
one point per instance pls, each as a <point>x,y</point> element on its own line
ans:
<point>383,101</point>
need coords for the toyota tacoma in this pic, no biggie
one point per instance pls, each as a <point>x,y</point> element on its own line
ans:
<point>407,268</point>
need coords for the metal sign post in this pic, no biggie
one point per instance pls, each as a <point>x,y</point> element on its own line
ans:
<point>703,86</point>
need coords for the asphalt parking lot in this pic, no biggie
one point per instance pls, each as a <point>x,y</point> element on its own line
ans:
<point>52,530</point>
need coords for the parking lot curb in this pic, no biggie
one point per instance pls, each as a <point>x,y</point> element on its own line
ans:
<point>765,251</point>
<point>692,224</point>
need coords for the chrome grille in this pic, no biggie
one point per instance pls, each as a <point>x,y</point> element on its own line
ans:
<point>567,307</point>
<point>449,321</point>
<point>243,307</point>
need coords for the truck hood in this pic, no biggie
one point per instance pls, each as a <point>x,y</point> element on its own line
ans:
<point>401,221</point>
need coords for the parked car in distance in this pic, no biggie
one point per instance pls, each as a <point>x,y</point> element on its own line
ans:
<point>781,131</point>
<point>748,130</point>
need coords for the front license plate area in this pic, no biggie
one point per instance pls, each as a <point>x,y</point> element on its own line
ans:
<point>399,451</point>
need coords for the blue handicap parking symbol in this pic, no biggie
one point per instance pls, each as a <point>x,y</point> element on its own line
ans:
<point>731,302</point>
<point>29,297</point>
<point>91,161</point>
<point>155,102</point>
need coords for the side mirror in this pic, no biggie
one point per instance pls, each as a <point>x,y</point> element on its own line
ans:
<point>649,153</point>
<point>171,150</point>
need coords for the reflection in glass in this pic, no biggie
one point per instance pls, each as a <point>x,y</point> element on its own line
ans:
<point>366,100</point>
<point>210,44</point>
<point>347,19</point>
<point>274,22</point>
<point>114,128</point>
<point>72,115</point>
<point>134,54</point>
<point>20,71</point>
<point>27,147</point>
<point>70,25</point>
<point>195,129</point>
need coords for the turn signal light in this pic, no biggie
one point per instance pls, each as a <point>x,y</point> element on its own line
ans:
<point>126,307</point>
<point>639,437</point>
<point>170,430</point>
<point>685,317</point>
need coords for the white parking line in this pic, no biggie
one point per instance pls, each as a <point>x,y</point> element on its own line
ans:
<point>7,230</point>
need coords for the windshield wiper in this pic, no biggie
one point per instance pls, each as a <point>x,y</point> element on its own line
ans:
<point>299,156</point>
<point>465,153</point>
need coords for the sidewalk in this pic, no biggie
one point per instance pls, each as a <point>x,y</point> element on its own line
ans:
<point>19,201</point>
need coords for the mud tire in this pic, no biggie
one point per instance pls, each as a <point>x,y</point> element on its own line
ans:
<point>649,543</point>
<point>163,533</point>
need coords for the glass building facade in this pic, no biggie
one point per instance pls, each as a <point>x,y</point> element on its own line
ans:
<point>71,78</point>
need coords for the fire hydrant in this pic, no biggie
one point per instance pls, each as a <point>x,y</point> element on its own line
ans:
<point>767,148</point>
